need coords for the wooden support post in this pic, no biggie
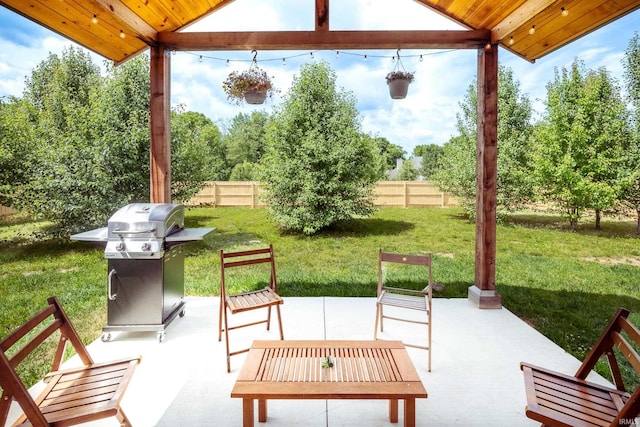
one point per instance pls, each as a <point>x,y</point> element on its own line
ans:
<point>483,294</point>
<point>160,105</point>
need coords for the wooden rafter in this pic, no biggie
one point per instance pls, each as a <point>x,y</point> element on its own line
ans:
<point>294,40</point>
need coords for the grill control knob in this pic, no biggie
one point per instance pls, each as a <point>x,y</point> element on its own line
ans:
<point>146,246</point>
<point>120,246</point>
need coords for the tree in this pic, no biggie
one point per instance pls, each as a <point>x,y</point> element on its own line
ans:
<point>245,141</point>
<point>408,171</point>
<point>389,152</point>
<point>431,155</point>
<point>319,169</point>
<point>630,192</point>
<point>456,173</point>
<point>196,153</point>
<point>579,155</point>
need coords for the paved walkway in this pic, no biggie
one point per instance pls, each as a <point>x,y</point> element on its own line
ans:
<point>475,378</point>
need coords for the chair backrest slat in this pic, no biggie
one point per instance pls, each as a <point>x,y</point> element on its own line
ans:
<point>27,327</point>
<point>417,260</point>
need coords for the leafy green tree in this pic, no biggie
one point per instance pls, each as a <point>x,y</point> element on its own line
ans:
<point>245,140</point>
<point>389,152</point>
<point>196,146</point>
<point>245,171</point>
<point>630,194</point>
<point>408,171</point>
<point>431,155</point>
<point>16,145</point>
<point>580,153</point>
<point>457,171</point>
<point>66,180</point>
<point>319,169</point>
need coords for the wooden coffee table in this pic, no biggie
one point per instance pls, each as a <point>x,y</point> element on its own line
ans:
<point>301,370</point>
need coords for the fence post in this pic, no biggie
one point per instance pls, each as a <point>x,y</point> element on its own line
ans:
<point>406,194</point>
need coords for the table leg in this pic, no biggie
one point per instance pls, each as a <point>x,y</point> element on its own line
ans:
<point>409,413</point>
<point>262,410</point>
<point>247,412</point>
<point>393,410</point>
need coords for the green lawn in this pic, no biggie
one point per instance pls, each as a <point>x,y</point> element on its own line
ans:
<point>563,283</point>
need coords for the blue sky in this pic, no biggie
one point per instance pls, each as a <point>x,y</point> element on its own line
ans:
<point>426,116</point>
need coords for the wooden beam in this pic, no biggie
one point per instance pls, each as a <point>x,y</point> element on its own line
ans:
<point>518,17</point>
<point>483,293</point>
<point>323,40</point>
<point>322,15</point>
<point>160,75</point>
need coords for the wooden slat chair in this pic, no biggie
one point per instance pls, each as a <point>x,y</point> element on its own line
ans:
<point>71,396</point>
<point>419,300</point>
<point>556,399</point>
<point>246,301</point>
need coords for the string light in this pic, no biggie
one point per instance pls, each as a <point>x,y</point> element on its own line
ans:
<point>94,20</point>
<point>532,30</point>
<point>564,12</point>
<point>365,57</point>
<point>122,34</point>
<point>511,41</point>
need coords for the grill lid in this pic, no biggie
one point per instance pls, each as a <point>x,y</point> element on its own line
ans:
<point>144,220</point>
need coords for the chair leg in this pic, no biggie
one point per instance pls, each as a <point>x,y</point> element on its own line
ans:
<point>122,418</point>
<point>429,344</point>
<point>375,329</point>
<point>222,307</point>
<point>226,339</point>
<point>268,318</point>
<point>279,321</point>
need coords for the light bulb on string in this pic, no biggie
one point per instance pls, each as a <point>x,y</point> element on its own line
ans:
<point>511,41</point>
<point>421,58</point>
<point>200,59</point>
<point>284,61</point>
<point>532,30</point>
<point>94,20</point>
<point>365,58</point>
<point>337,53</point>
<point>564,12</point>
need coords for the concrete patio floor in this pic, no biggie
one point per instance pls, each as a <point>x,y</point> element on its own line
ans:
<point>475,378</point>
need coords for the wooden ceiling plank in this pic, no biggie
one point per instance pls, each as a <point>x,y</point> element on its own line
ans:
<point>519,16</point>
<point>597,15</point>
<point>296,40</point>
<point>74,24</point>
<point>135,24</point>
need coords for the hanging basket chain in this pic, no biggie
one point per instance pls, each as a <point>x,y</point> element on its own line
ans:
<point>399,72</point>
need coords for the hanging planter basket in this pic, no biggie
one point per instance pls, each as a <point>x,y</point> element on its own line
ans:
<point>398,88</point>
<point>398,80</point>
<point>255,96</point>
<point>252,86</point>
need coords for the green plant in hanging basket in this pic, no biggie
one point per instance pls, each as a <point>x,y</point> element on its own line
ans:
<point>252,85</point>
<point>399,75</point>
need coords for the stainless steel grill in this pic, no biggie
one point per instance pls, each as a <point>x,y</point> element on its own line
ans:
<point>145,279</point>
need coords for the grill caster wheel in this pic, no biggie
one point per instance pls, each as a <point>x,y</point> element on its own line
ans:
<point>161,336</point>
<point>106,337</point>
<point>182,313</point>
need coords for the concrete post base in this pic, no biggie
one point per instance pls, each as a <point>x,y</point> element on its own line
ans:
<point>484,298</point>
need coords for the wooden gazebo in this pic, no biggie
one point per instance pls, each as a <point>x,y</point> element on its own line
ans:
<point>121,29</point>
